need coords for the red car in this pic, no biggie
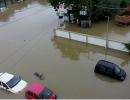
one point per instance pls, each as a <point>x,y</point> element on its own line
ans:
<point>38,91</point>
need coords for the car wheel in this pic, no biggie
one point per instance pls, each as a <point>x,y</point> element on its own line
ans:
<point>122,78</point>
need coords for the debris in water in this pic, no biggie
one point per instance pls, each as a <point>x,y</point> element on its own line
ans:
<point>40,76</point>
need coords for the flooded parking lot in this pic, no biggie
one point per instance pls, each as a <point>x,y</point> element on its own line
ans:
<point>28,45</point>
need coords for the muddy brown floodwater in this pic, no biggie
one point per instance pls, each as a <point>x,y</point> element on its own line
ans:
<point>120,33</point>
<point>28,45</point>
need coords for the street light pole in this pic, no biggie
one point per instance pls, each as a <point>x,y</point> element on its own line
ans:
<point>108,21</point>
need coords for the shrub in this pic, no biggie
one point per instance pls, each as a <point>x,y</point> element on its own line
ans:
<point>127,46</point>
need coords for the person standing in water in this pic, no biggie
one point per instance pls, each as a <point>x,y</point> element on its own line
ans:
<point>61,12</point>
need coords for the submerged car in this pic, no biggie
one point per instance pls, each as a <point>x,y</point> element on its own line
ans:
<point>110,69</point>
<point>12,83</point>
<point>38,91</point>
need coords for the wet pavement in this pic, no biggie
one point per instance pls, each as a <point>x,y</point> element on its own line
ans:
<point>28,45</point>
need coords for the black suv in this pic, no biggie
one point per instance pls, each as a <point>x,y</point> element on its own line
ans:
<point>110,69</point>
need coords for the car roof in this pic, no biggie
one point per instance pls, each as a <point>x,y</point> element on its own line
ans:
<point>5,77</point>
<point>36,88</point>
<point>107,64</point>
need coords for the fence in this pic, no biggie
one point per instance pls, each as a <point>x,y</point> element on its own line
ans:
<point>91,40</point>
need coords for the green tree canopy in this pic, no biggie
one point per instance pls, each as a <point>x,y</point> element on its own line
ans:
<point>107,8</point>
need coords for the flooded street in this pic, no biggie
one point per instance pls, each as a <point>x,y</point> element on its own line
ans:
<point>28,45</point>
<point>120,33</point>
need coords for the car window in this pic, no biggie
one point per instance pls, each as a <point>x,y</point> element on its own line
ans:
<point>4,85</point>
<point>45,94</point>
<point>117,70</point>
<point>14,81</point>
<point>30,93</point>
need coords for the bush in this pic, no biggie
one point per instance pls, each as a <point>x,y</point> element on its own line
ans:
<point>127,46</point>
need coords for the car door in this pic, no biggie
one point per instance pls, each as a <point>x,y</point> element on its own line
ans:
<point>102,69</point>
<point>30,95</point>
<point>109,71</point>
<point>1,86</point>
<point>36,96</point>
<point>5,86</point>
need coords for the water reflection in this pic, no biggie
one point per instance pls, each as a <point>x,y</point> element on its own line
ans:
<point>73,50</point>
<point>18,7</point>
<point>119,29</point>
<point>43,2</point>
<point>10,11</point>
<point>119,33</point>
<point>105,78</point>
<point>99,28</point>
<point>69,49</point>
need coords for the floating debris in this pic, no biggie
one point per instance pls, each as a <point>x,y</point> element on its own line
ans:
<point>40,76</point>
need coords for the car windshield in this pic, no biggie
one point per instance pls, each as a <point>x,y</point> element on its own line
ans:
<point>117,70</point>
<point>14,81</point>
<point>45,94</point>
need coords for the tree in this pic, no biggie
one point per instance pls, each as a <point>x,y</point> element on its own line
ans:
<point>55,3</point>
<point>127,46</point>
<point>98,9</point>
<point>109,8</point>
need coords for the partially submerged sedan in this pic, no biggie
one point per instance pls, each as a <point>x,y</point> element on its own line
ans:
<point>38,91</point>
<point>12,83</point>
<point>110,69</point>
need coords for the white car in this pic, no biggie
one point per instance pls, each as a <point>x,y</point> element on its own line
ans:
<point>12,83</point>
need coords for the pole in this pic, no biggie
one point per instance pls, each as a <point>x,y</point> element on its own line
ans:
<point>5,3</point>
<point>108,20</point>
<point>0,5</point>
